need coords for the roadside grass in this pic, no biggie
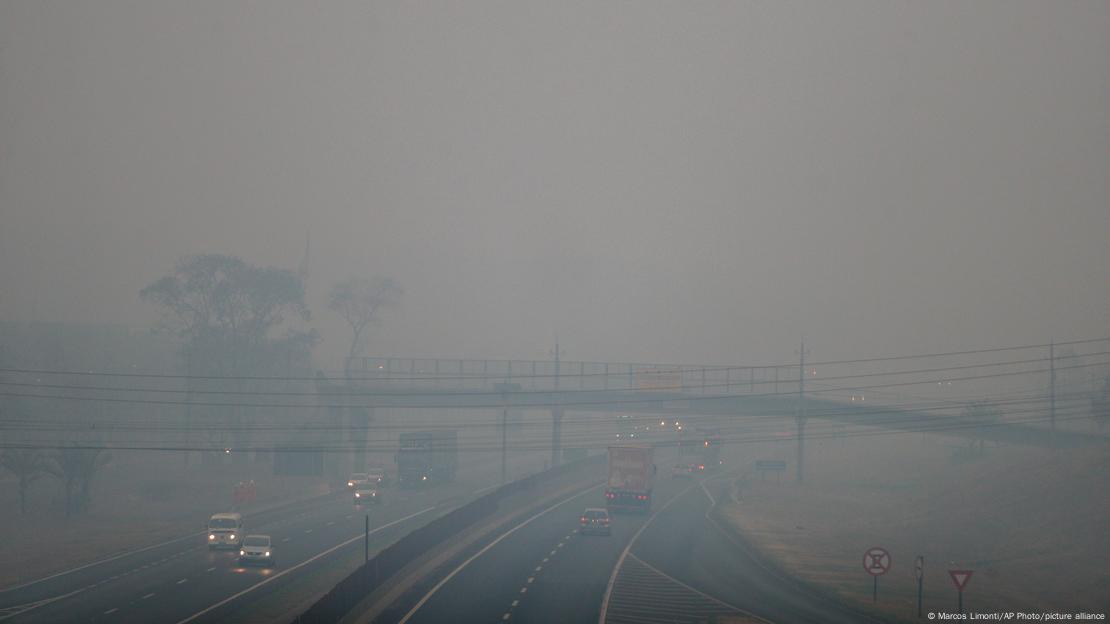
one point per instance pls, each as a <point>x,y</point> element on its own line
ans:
<point>1032,524</point>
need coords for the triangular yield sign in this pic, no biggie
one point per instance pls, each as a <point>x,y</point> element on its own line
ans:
<point>960,578</point>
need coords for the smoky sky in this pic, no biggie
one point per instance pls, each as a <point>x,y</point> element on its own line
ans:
<point>652,181</point>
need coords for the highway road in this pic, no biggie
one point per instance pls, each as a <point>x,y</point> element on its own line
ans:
<point>182,581</point>
<point>674,566</point>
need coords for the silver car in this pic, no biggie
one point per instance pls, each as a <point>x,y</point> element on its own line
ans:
<point>257,550</point>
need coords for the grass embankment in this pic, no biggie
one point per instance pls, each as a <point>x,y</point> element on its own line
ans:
<point>1033,525</point>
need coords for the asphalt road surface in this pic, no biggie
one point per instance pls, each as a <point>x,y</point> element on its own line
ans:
<point>679,568</point>
<point>182,581</point>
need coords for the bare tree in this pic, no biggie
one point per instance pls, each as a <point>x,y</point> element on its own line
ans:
<point>27,465</point>
<point>359,300</point>
<point>76,466</point>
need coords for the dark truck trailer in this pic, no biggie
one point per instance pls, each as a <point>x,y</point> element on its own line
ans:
<point>425,457</point>
<point>631,478</point>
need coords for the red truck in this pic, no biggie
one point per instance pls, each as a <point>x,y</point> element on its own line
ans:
<point>631,477</point>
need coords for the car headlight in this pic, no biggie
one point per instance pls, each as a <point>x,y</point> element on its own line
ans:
<point>267,553</point>
<point>357,495</point>
<point>232,536</point>
<point>350,484</point>
<point>211,536</point>
<point>241,553</point>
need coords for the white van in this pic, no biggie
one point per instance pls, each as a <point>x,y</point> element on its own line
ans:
<point>225,530</point>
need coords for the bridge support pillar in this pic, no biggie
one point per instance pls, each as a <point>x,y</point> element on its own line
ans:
<point>556,436</point>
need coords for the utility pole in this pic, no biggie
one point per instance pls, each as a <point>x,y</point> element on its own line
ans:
<point>1052,393</point>
<point>801,418</point>
<point>557,411</point>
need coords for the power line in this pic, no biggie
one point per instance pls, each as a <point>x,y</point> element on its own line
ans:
<point>649,369</point>
<point>542,404</point>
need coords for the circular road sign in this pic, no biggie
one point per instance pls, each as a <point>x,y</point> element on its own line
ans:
<point>876,561</point>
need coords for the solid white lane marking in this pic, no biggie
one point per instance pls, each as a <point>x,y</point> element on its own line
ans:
<point>486,489</point>
<point>624,553</point>
<point>489,546</point>
<point>275,577</point>
<point>182,581</point>
<point>111,611</point>
<point>150,595</point>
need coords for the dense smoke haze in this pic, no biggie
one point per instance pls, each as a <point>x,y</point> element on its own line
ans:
<point>672,182</point>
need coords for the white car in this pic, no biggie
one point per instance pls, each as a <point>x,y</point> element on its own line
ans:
<point>225,530</point>
<point>257,549</point>
<point>366,495</point>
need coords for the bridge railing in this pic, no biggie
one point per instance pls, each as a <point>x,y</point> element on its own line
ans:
<point>439,374</point>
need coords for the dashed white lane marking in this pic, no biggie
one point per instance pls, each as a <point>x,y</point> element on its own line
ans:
<point>210,569</point>
<point>545,560</point>
<point>524,590</point>
<point>150,595</point>
<point>506,616</point>
<point>552,553</point>
<point>486,489</point>
<point>495,542</point>
<point>350,516</point>
<point>516,602</point>
<point>308,530</point>
<point>530,579</point>
<point>182,581</point>
<point>111,611</point>
<point>331,523</point>
<point>308,561</point>
<point>560,545</point>
<point>538,568</point>
<point>285,539</point>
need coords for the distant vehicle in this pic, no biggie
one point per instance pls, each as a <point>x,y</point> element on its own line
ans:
<point>594,520</point>
<point>376,476</point>
<point>257,549</point>
<point>682,471</point>
<point>626,427</point>
<point>426,457</point>
<point>631,477</point>
<point>366,494</point>
<point>356,478</point>
<point>225,530</point>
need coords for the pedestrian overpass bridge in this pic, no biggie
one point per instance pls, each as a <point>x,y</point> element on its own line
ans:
<point>717,391</point>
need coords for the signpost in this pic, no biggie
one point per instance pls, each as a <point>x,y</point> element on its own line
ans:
<point>919,572</point>
<point>876,561</point>
<point>960,579</point>
<point>763,466</point>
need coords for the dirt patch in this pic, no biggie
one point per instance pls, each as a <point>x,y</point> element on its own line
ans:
<point>138,499</point>
<point>1030,523</point>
